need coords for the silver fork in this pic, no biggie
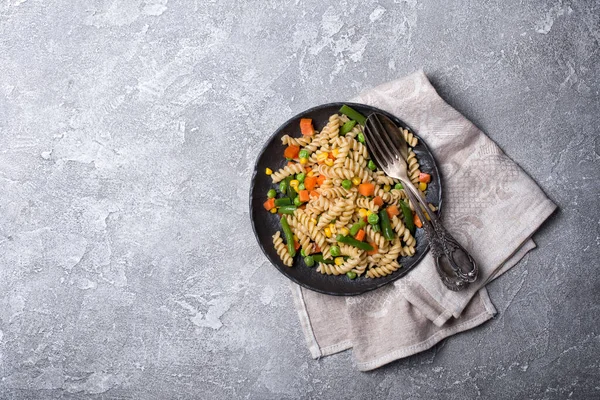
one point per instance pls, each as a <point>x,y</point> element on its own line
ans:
<point>386,144</point>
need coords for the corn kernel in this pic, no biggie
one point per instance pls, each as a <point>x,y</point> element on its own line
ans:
<point>339,261</point>
<point>294,183</point>
<point>273,210</point>
<point>344,231</point>
<point>322,156</point>
<point>269,171</point>
<point>304,161</point>
<point>333,229</point>
<point>369,212</point>
<point>387,188</point>
<point>422,186</point>
<point>363,213</point>
<point>313,220</point>
<point>295,237</point>
<point>327,232</point>
<point>356,181</point>
<point>329,162</point>
<point>335,152</point>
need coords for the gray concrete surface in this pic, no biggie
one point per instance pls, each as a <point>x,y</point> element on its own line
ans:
<point>128,131</point>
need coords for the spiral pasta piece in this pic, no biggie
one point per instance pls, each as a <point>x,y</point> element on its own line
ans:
<point>301,141</point>
<point>410,138</point>
<point>402,232</point>
<point>286,171</point>
<point>364,202</point>
<point>383,270</point>
<point>334,211</point>
<point>393,252</point>
<point>357,171</point>
<point>315,233</point>
<point>413,167</point>
<point>362,264</point>
<point>383,179</point>
<point>344,149</point>
<point>386,196</point>
<point>333,269</point>
<point>333,127</point>
<point>316,207</point>
<point>333,172</point>
<point>336,191</point>
<point>282,250</point>
<point>376,238</point>
<point>303,237</point>
<point>346,216</point>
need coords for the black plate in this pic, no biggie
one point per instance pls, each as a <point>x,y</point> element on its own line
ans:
<point>266,224</point>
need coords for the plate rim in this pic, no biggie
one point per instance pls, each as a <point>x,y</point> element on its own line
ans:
<point>270,139</point>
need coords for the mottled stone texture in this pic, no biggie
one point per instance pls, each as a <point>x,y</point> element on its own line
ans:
<point>128,132</point>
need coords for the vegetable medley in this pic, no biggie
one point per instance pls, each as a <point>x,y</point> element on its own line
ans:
<point>337,209</point>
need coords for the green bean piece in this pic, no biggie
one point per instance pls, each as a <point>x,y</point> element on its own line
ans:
<point>347,184</point>
<point>303,154</point>
<point>353,114</point>
<point>335,251</point>
<point>319,258</point>
<point>302,253</point>
<point>398,186</point>
<point>351,274</point>
<point>347,127</point>
<point>373,219</point>
<point>271,193</point>
<point>297,202</point>
<point>289,236</point>
<point>371,165</point>
<point>357,227</point>
<point>408,216</point>
<point>291,192</point>
<point>386,225</point>
<point>283,201</point>
<point>309,261</point>
<point>283,187</point>
<point>287,209</point>
<point>354,242</point>
<point>360,137</point>
<point>300,177</point>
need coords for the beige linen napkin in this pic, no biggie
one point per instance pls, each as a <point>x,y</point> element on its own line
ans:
<point>490,205</point>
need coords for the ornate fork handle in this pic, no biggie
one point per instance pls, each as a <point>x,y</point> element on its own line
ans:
<point>439,248</point>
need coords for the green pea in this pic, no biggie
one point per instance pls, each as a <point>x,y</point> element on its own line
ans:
<point>297,202</point>
<point>309,261</point>
<point>271,193</point>
<point>301,186</point>
<point>302,253</point>
<point>303,154</point>
<point>398,186</point>
<point>335,251</point>
<point>371,165</point>
<point>300,177</point>
<point>347,184</point>
<point>351,274</point>
<point>361,138</point>
<point>373,218</point>
<point>283,187</point>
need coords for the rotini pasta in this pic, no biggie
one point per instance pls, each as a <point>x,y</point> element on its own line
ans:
<point>332,192</point>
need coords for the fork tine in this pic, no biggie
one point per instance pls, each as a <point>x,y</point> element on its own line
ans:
<point>389,145</point>
<point>375,147</point>
<point>376,129</point>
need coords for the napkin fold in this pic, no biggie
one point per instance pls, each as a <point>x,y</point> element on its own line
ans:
<point>490,205</point>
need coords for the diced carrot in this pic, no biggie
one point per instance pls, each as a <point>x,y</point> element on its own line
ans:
<point>296,245</point>
<point>360,235</point>
<point>310,182</point>
<point>306,127</point>
<point>424,177</point>
<point>393,211</point>
<point>290,163</point>
<point>378,201</point>
<point>320,180</point>
<point>317,248</point>
<point>303,195</point>
<point>366,189</point>
<point>417,221</point>
<point>314,193</point>
<point>331,156</point>
<point>307,169</point>
<point>366,219</point>
<point>291,151</point>
<point>269,204</point>
<point>375,249</point>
